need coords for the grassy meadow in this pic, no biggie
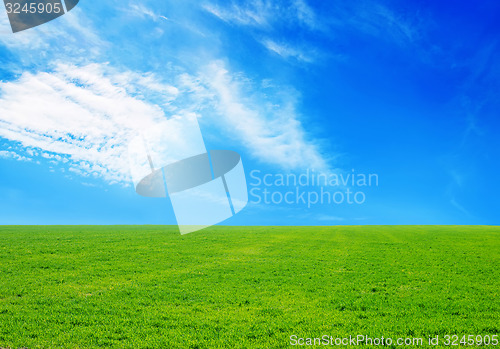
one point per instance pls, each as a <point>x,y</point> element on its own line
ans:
<point>243,287</point>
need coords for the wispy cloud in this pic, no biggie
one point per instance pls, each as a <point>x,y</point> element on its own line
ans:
<point>286,51</point>
<point>379,20</point>
<point>459,207</point>
<point>266,17</point>
<point>329,218</point>
<point>376,20</point>
<point>255,13</point>
<point>306,16</point>
<point>158,17</point>
<point>142,11</point>
<point>266,14</point>
<point>271,130</point>
<point>74,27</point>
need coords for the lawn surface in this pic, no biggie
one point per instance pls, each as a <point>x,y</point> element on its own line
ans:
<point>243,287</point>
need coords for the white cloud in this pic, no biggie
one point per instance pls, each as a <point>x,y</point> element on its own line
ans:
<point>80,114</point>
<point>6,154</point>
<point>83,118</point>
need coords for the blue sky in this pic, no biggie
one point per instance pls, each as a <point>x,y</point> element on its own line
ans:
<point>407,91</point>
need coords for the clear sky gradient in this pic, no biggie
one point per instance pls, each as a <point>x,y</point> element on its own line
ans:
<point>408,91</point>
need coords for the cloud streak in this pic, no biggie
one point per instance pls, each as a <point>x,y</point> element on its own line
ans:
<point>255,14</point>
<point>286,51</point>
<point>271,130</point>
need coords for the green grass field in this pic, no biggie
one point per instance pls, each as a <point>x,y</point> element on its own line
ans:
<point>243,287</point>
